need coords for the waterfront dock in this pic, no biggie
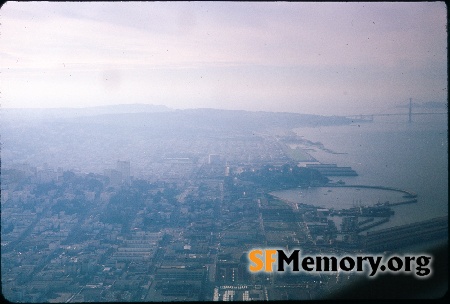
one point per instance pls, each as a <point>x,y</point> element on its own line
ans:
<point>396,237</point>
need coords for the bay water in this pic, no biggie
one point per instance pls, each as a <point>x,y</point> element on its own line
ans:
<point>388,152</point>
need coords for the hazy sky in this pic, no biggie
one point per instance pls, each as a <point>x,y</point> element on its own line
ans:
<point>322,58</point>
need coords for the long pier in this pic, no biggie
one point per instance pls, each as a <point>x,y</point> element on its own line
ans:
<point>397,237</point>
<point>374,224</point>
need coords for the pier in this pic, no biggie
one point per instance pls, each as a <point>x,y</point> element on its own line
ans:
<point>332,169</point>
<point>396,237</point>
<point>374,224</point>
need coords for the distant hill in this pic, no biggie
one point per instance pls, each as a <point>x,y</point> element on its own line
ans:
<point>128,108</point>
<point>210,121</point>
<point>161,119</point>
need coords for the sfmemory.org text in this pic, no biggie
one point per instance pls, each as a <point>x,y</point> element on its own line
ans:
<point>271,260</point>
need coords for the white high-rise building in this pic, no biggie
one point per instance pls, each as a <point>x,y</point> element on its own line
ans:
<point>124,168</point>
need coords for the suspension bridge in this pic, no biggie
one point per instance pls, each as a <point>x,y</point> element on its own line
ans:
<point>410,114</point>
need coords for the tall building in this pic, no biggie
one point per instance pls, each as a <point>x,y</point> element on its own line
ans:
<point>124,168</point>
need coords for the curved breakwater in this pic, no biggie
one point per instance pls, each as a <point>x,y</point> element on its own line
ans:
<point>335,196</point>
<point>409,193</point>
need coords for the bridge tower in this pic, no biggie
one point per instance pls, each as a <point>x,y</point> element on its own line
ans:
<point>410,110</point>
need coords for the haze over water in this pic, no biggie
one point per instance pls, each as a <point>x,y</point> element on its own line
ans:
<point>388,152</point>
